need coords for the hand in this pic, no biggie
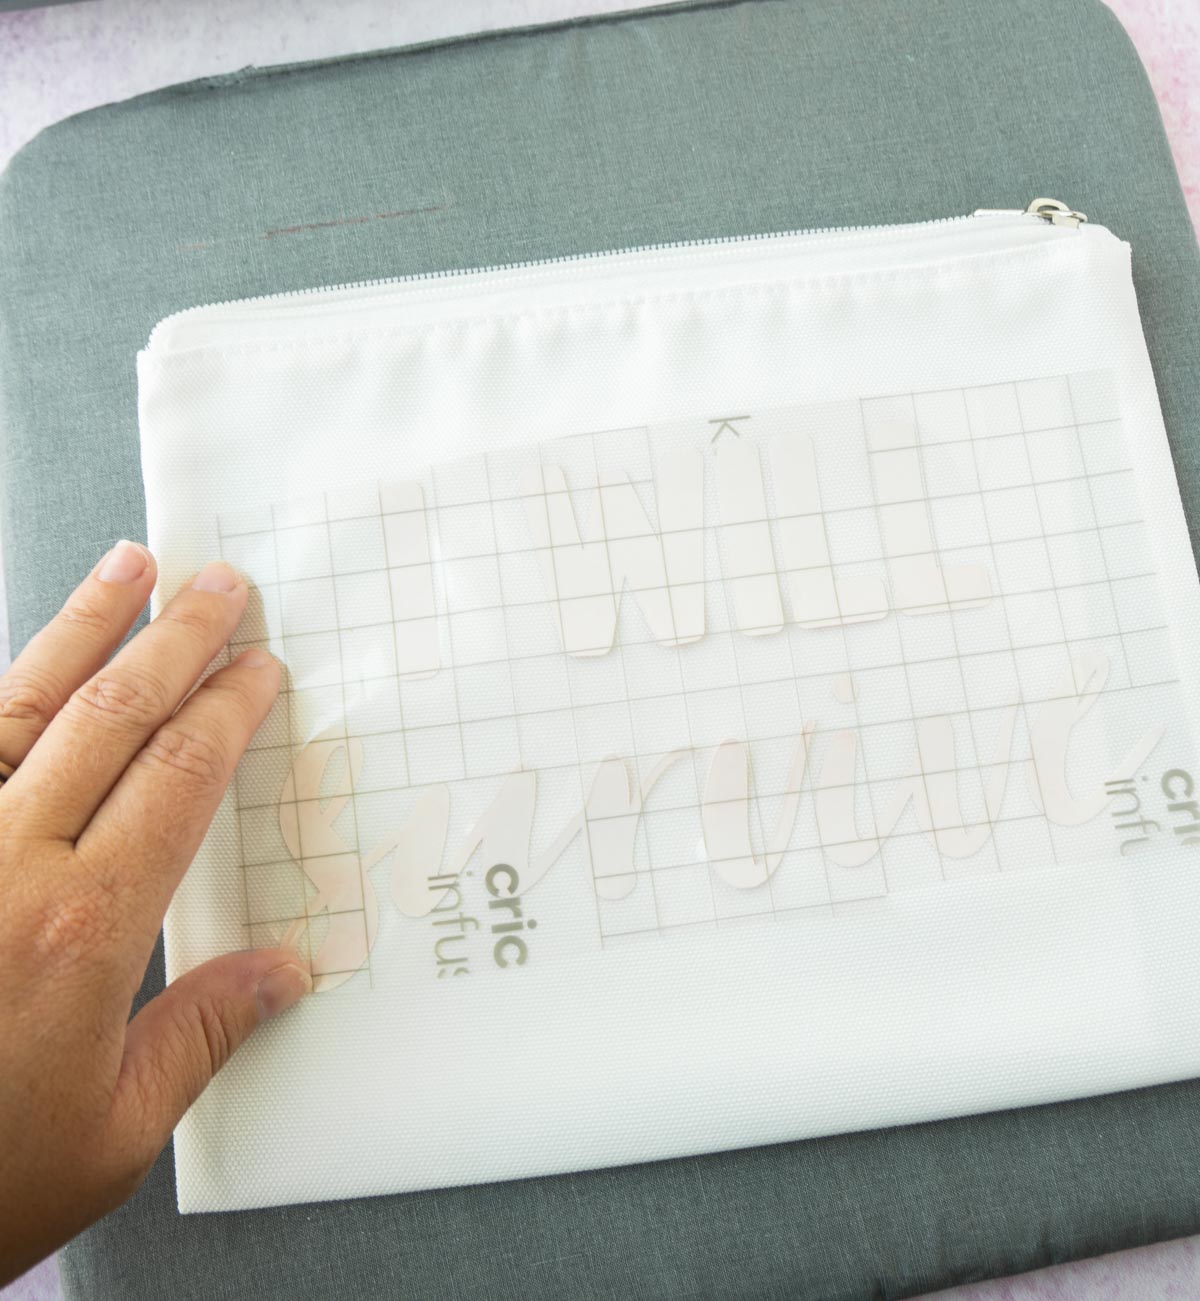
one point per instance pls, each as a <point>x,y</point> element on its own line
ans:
<point>115,778</point>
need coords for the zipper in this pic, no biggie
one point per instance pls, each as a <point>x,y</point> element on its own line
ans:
<point>285,305</point>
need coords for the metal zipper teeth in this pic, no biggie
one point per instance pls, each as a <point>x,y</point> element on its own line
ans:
<point>534,264</point>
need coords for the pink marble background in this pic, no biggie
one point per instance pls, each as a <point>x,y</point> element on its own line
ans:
<point>62,60</point>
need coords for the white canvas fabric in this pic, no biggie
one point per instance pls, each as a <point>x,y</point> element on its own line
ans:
<point>736,692</point>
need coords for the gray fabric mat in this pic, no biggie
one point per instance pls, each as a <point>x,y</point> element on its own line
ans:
<point>702,120</point>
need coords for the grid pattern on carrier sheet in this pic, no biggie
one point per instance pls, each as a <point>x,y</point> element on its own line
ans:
<point>425,621</point>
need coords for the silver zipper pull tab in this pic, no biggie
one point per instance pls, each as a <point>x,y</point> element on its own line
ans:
<point>1050,210</point>
<point>1057,214</point>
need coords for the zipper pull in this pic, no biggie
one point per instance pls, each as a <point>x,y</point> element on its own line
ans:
<point>1057,214</point>
<point>1050,210</point>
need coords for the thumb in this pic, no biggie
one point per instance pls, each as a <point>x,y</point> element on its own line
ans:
<point>182,1038</point>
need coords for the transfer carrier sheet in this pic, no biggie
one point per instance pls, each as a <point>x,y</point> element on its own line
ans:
<point>736,691</point>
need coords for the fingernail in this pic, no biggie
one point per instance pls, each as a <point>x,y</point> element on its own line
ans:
<point>217,577</point>
<point>255,659</point>
<point>280,988</point>
<point>125,563</point>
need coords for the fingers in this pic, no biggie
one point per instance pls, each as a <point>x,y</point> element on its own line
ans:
<point>180,1039</point>
<point>75,644</point>
<point>167,796</point>
<point>105,723</point>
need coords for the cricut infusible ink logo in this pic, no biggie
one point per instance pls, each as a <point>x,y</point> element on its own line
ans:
<point>472,889</point>
<point>504,927</point>
<point>1172,801</point>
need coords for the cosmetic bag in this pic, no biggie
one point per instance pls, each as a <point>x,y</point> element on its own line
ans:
<point>735,694</point>
<point>806,137</point>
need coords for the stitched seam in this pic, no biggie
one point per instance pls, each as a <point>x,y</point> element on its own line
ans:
<point>466,40</point>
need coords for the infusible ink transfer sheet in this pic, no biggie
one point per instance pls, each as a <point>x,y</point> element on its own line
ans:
<point>758,772</point>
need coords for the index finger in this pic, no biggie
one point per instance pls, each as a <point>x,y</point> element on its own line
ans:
<point>107,720</point>
<point>75,644</point>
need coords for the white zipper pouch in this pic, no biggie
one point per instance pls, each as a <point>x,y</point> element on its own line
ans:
<point>736,692</point>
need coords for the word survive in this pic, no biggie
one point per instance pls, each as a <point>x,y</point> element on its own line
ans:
<point>424,877</point>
